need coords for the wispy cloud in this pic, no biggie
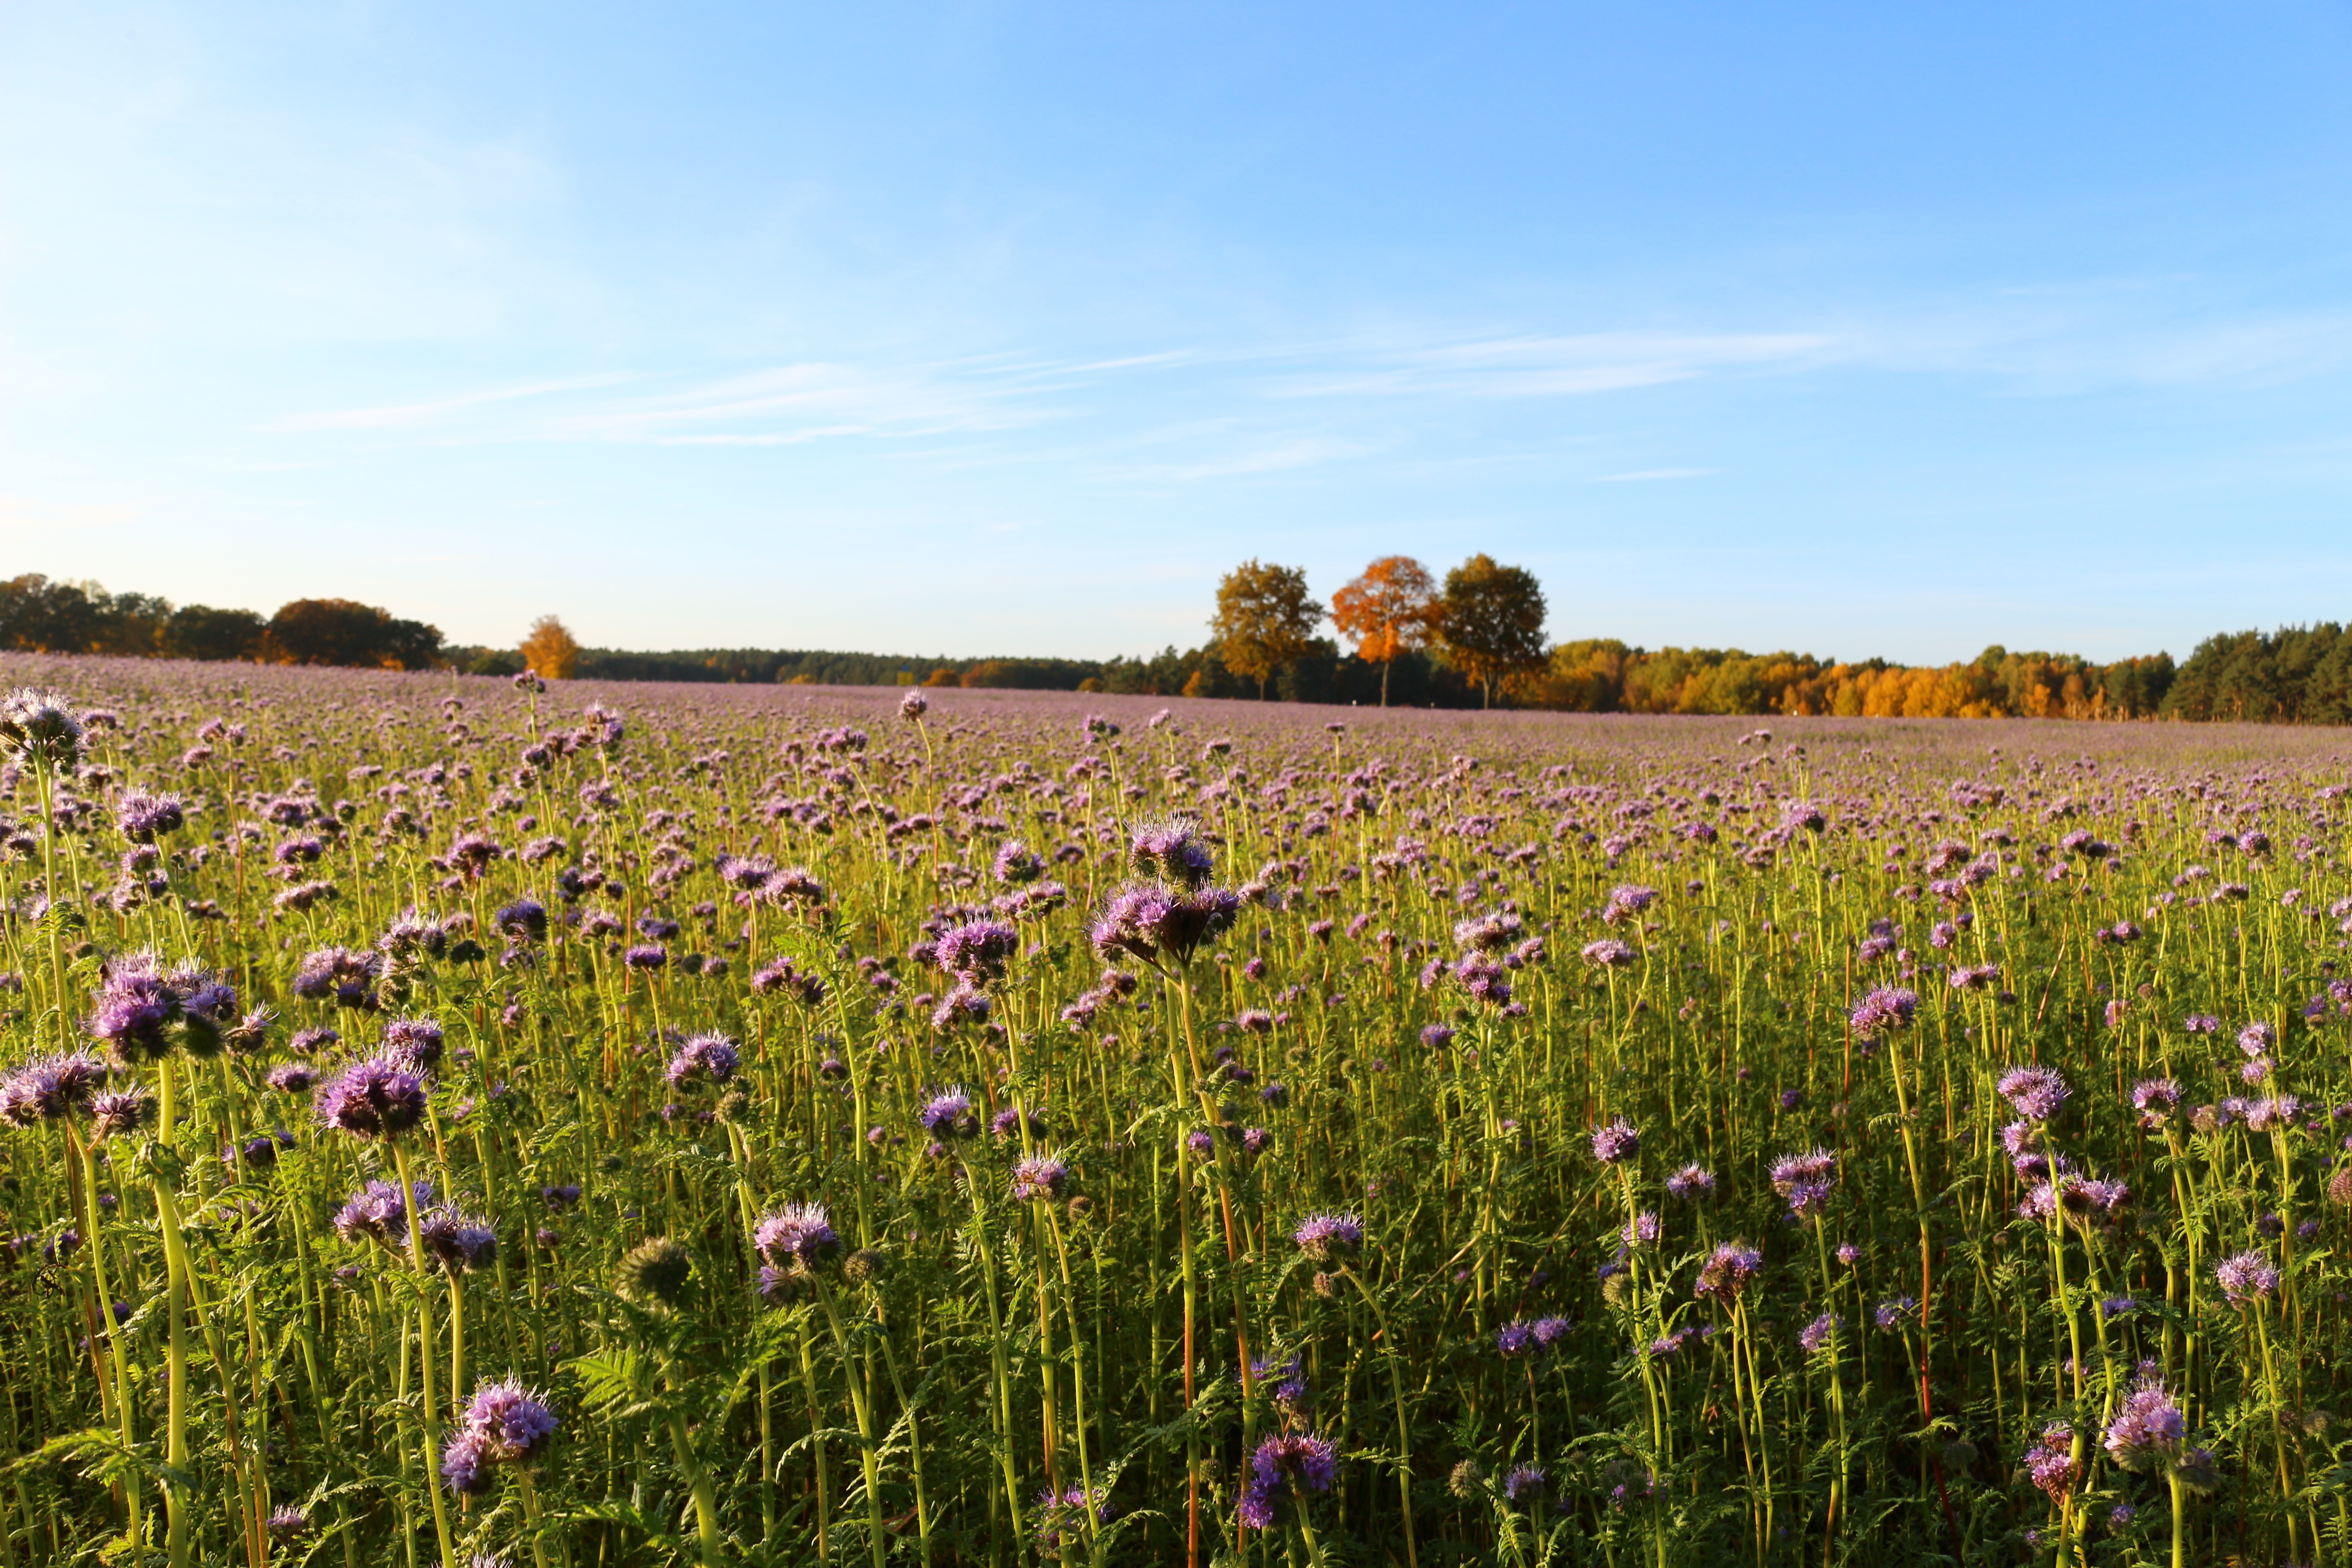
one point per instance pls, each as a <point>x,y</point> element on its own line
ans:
<point>1642,476</point>
<point>1266,459</point>
<point>27,514</point>
<point>1557,366</point>
<point>405,416</point>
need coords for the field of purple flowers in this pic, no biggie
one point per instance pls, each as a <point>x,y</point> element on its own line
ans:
<point>450,1121</point>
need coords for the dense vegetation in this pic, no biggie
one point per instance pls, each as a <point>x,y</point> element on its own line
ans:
<point>792,1127</point>
<point>1267,644</point>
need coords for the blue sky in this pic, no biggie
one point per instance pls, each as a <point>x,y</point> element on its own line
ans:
<point>1857,328</point>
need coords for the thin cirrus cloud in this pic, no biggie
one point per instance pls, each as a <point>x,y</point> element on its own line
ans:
<point>800,403</point>
<point>436,410</point>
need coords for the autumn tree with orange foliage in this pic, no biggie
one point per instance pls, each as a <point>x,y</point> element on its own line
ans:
<point>550,650</point>
<point>1389,610</point>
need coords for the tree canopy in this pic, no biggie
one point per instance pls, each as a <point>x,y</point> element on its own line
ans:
<point>1265,618</point>
<point>1493,623</point>
<point>1390,609</point>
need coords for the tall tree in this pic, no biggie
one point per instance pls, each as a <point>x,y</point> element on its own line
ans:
<point>1493,623</point>
<point>338,631</point>
<point>200,631</point>
<point>551,651</point>
<point>1389,610</point>
<point>1265,618</point>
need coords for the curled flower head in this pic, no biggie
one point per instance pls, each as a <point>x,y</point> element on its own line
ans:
<point>339,974</point>
<point>977,951</point>
<point>1886,1008</point>
<point>2149,1427</point>
<point>2036,1092</point>
<point>1172,851</point>
<point>2155,1098</point>
<point>40,728</point>
<point>2051,1464</point>
<point>1691,1182</point>
<point>1489,932</point>
<point>50,1088</point>
<point>118,1113</point>
<point>142,818</point>
<point>705,1058</point>
<point>1289,1464</point>
<point>1727,1269</point>
<point>798,1234</point>
<point>515,1421</point>
<point>1814,1167</point>
<point>1816,1336</point>
<point>1324,1237</point>
<point>466,1462</point>
<point>1616,1143</point>
<point>949,1115</point>
<point>1896,1311</point>
<point>379,1098</point>
<point>379,1213</point>
<point>1039,1177</point>
<point>2246,1279</point>
<point>1609,954</point>
<point>415,1044</point>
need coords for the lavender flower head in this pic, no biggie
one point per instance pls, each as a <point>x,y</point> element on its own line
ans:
<point>2036,1092</point>
<point>1616,1143</point>
<point>514,1421</point>
<point>415,1044</point>
<point>2246,1277</point>
<point>1727,1271</point>
<point>2155,1098</point>
<point>50,1088</point>
<point>466,1463</point>
<point>977,952</point>
<point>141,817</point>
<point>379,1213</point>
<point>1039,1177</point>
<point>1814,1336</point>
<point>1815,1167</point>
<point>376,1098</point>
<point>2149,1427</point>
<point>39,728</point>
<point>949,1115</point>
<point>801,1234</point>
<point>704,1058</point>
<point>1324,1237</point>
<point>1884,1009</point>
<point>2051,1463</point>
<point>1171,850</point>
<point>1290,1464</point>
<point>1690,1183</point>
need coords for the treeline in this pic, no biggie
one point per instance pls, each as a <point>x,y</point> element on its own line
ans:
<point>1603,676</point>
<point>46,616</point>
<point>1475,641</point>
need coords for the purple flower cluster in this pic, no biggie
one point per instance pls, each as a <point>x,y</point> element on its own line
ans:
<point>1289,1464</point>
<point>503,1423</point>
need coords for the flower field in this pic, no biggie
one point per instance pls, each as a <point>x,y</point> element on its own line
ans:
<point>453,1122</point>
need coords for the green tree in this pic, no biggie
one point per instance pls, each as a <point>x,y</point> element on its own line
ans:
<point>1491,624</point>
<point>200,631</point>
<point>1265,618</point>
<point>338,631</point>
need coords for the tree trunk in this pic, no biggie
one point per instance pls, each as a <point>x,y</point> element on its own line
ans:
<point>1386,665</point>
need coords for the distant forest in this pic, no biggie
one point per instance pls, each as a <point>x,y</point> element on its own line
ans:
<point>2295,675</point>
